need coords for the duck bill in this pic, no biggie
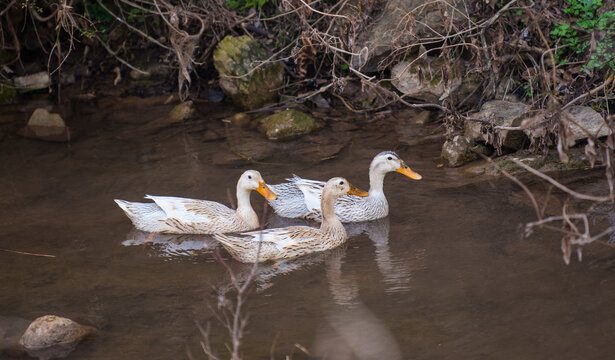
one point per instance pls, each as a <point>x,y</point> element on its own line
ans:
<point>264,190</point>
<point>356,191</point>
<point>404,169</point>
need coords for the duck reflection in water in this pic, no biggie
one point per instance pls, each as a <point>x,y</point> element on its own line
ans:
<point>351,330</point>
<point>170,245</point>
<point>396,272</point>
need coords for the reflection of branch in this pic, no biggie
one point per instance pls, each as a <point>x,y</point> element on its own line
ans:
<point>229,313</point>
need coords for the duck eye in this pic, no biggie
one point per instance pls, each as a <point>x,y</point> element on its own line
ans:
<point>250,177</point>
<point>341,183</point>
<point>389,158</point>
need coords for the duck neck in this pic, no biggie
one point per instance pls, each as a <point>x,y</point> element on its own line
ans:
<point>244,207</point>
<point>376,181</point>
<point>330,221</point>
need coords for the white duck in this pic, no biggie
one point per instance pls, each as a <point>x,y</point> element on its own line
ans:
<point>293,241</point>
<point>174,215</point>
<point>300,198</point>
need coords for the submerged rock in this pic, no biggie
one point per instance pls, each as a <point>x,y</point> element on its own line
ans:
<point>499,113</point>
<point>235,59</point>
<point>181,112</point>
<point>52,336</point>
<point>461,150</point>
<point>589,119</point>
<point>288,124</point>
<point>240,120</point>
<point>44,125</point>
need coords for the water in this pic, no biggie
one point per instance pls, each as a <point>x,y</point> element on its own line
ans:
<point>446,275</point>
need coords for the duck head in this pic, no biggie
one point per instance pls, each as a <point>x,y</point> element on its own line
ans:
<point>252,180</point>
<point>388,161</point>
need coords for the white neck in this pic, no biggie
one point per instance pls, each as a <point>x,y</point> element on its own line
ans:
<point>376,181</point>
<point>244,207</point>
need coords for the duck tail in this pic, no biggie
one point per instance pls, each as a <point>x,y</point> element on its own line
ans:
<point>144,216</point>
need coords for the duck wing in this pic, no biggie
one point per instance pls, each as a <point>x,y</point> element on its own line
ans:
<point>191,210</point>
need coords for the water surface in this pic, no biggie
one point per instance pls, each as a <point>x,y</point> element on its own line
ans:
<point>445,276</point>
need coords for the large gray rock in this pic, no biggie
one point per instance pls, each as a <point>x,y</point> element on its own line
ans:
<point>403,22</point>
<point>235,59</point>
<point>499,113</point>
<point>52,336</point>
<point>44,125</point>
<point>423,81</point>
<point>589,119</point>
<point>288,124</point>
<point>461,150</point>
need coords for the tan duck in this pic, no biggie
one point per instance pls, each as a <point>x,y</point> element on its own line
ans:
<point>293,241</point>
<point>174,215</point>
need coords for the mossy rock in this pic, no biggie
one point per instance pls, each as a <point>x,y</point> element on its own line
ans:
<point>238,56</point>
<point>288,124</point>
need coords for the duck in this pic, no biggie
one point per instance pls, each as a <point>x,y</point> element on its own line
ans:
<point>300,198</point>
<point>176,215</point>
<point>293,241</point>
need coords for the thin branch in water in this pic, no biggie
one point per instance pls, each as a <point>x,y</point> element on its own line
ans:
<point>28,253</point>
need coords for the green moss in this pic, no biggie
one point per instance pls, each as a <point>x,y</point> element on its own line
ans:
<point>234,59</point>
<point>8,94</point>
<point>289,124</point>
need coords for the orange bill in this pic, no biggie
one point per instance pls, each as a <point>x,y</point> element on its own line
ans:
<point>264,190</point>
<point>356,191</point>
<point>404,169</point>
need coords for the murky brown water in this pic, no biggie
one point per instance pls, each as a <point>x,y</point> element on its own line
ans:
<point>445,276</point>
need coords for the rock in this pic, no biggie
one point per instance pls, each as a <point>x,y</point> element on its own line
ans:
<point>8,94</point>
<point>237,56</point>
<point>211,135</point>
<point>320,101</point>
<point>504,90</point>
<point>288,124</point>
<point>181,112</point>
<point>245,146</point>
<point>589,119</point>
<point>499,113</point>
<point>46,126</point>
<point>461,150</point>
<point>240,120</point>
<point>53,336</point>
<point>214,95</point>
<point>417,82</point>
<point>409,23</point>
<point>40,80</point>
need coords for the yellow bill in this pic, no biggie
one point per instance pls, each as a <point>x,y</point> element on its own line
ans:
<point>264,190</point>
<point>356,191</point>
<point>404,169</point>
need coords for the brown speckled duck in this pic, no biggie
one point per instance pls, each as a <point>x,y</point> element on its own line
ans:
<point>294,241</point>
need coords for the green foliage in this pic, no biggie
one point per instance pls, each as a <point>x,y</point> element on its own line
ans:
<point>575,36</point>
<point>247,4</point>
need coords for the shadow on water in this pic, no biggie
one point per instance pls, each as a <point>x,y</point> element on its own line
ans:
<point>445,275</point>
